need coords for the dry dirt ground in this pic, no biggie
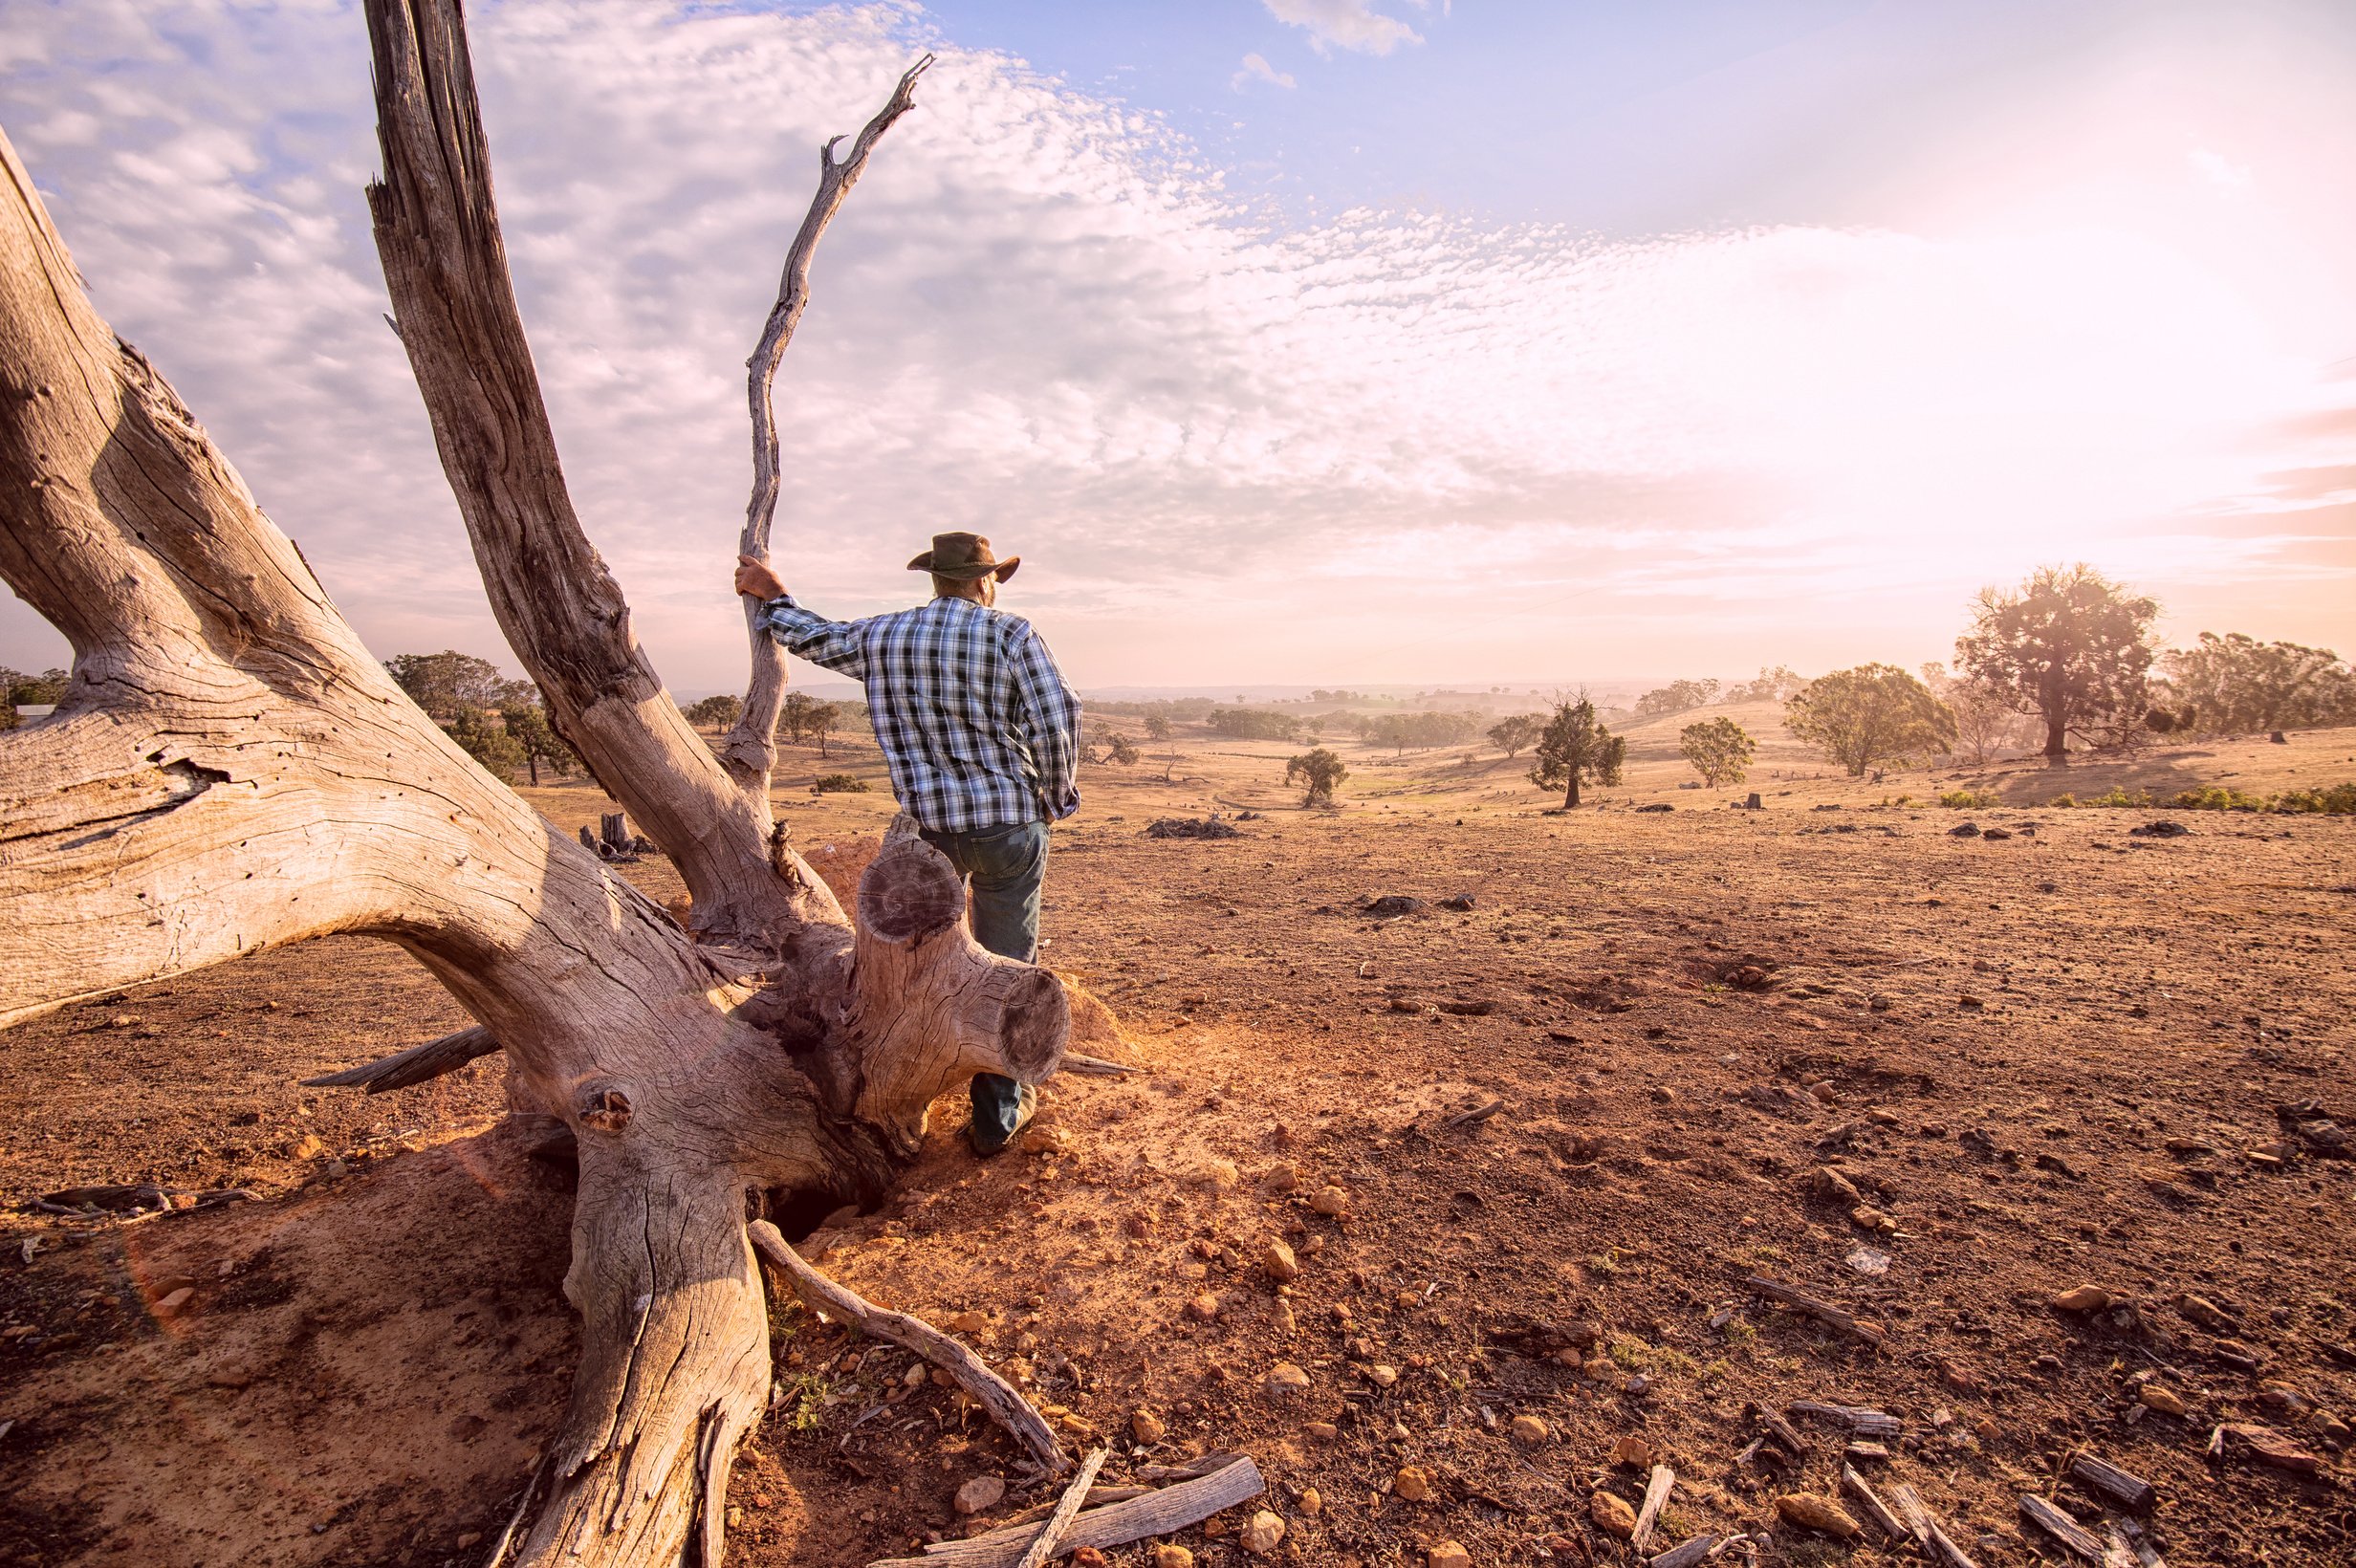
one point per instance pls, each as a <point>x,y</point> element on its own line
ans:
<point>2076,1056</point>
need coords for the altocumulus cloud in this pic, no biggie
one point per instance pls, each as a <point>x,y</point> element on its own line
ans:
<point>1225,444</point>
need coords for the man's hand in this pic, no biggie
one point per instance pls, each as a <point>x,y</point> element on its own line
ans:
<point>753,578</point>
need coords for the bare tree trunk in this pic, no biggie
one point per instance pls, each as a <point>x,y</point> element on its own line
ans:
<point>230,769</point>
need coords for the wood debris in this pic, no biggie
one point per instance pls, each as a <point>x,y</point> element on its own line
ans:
<point>1816,1307</point>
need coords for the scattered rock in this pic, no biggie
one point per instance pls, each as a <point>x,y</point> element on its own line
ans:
<point>1311,1502</point>
<point>1262,1535</point>
<point>175,1302</point>
<point>2167,1401</point>
<point>310,1148</point>
<point>1382,1374</point>
<point>980,1494</point>
<point>2271,1447</point>
<point>1277,1260</point>
<point>1818,1514</point>
<point>2084,1299</point>
<point>1658,805</point>
<point>967,1322</point>
<point>1832,1183</point>
<point>1203,1308</point>
<point>1447,1555</point>
<point>1148,1428</point>
<point>1088,1557</point>
<point>1218,1175</point>
<point>1411,1485</point>
<point>1461,902</point>
<point>1995,835</point>
<point>1392,905</point>
<point>2162,829</point>
<point>1612,1514</point>
<point>1633,1449</point>
<point>1529,1430</point>
<point>1961,830</point>
<point>1172,1556</point>
<point>1324,1431</point>
<point>1331,1202</point>
<point>1285,1380</point>
<point>2205,1312</point>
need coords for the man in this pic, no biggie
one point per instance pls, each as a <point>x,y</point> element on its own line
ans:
<point>982,737</point>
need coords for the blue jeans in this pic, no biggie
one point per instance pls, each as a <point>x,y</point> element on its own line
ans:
<point>1006,867</point>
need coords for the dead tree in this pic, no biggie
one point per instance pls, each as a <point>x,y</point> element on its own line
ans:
<point>230,769</point>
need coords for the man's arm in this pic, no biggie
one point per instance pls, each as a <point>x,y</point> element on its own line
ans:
<point>1048,714</point>
<point>836,644</point>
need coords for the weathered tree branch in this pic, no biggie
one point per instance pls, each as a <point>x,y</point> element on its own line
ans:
<point>417,1064</point>
<point>751,749</point>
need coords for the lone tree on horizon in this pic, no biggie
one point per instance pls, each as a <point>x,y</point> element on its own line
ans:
<point>1576,746</point>
<point>1869,714</point>
<point>229,771</point>
<point>1720,751</point>
<point>1321,772</point>
<point>2068,645</point>
<point>1517,734</point>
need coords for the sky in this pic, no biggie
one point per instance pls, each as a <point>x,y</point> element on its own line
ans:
<point>1295,341</point>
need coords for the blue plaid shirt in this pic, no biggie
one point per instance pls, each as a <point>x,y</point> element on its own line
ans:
<point>975,719</point>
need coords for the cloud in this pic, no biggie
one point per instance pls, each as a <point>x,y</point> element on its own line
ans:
<point>2213,167</point>
<point>1230,447</point>
<point>1256,67</point>
<point>1351,24</point>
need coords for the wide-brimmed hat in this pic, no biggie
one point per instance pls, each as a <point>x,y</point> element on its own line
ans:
<point>965,556</point>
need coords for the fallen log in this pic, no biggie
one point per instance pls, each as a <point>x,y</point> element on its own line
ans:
<point>1862,1422</point>
<point>1157,1513</point>
<point>993,1393</point>
<point>414,1065</point>
<point>1096,1067</point>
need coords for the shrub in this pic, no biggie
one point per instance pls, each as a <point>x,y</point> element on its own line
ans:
<point>2339,800</point>
<point>838,784</point>
<point>1970,799</point>
<point>1318,771</point>
<point>2217,797</point>
<point>2118,796</point>
<point>2063,801</point>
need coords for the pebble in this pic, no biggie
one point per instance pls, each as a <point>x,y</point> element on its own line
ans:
<point>171,1305</point>
<point>1172,1556</point>
<point>2084,1299</point>
<point>1285,1380</point>
<point>1815,1514</point>
<point>967,1322</point>
<point>1311,1501</point>
<point>1528,1430</point>
<point>1146,1426</point>
<point>1203,1308</point>
<point>1331,1202</point>
<point>1278,1261</point>
<point>1612,1513</point>
<point>1324,1431</point>
<point>1411,1485</point>
<point>1447,1555</point>
<point>1382,1374</point>
<point>981,1493</point>
<point>1262,1535</point>
<point>1219,1175</point>
<point>1632,1449</point>
<point>2167,1401</point>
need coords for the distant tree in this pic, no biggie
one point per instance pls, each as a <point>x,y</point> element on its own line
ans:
<point>481,735</point>
<point>1869,714</point>
<point>1676,697</point>
<point>2237,683</point>
<point>16,687</point>
<point>2068,645</point>
<point>1120,751</point>
<point>1157,727</point>
<point>1254,724</point>
<point>1320,771</point>
<point>448,683</point>
<point>716,712</point>
<point>1720,751</point>
<point>1773,685</point>
<point>1518,734</point>
<point>805,717</point>
<point>1576,746</point>
<point>527,725</point>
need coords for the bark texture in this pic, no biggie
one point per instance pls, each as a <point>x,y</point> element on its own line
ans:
<point>232,769</point>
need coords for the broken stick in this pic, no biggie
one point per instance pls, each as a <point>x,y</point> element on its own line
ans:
<point>1044,1546</point>
<point>1157,1513</point>
<point>993,1393</point>
<point>1656,1498</point>
<point>2097,1476</point>
<point>1816,1307</point>
<point>1863,1422</point>
<point>414,1065</point>
<point>1687,1554</point>
<point>2060,1527</point>
<point>1874,1507</point>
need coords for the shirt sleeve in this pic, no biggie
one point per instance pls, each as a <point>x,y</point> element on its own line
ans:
<point>839,645</point>
<point>1048,714</point>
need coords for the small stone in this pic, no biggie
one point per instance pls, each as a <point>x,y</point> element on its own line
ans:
<point>1987,1430</point>
<point>2167,1401</point>
<point>981,1493</point>
<point>171,1305</point>
<point>1331,1202</point>
<point>1529,1430</point>
<point>1324,1431</point>
<point>1172,1556</point>
<point>2084,1299</point>
<point>1411,1485</point>
<point>1311,1501</point>
<point>310,1148</point>
<point>1219,1175</point>
<point>967,1322</point>
<point>1277,1260</point>
<point>1447,1555</point>
<point>1382,1374</point>
<point>2205,1312</point>
<point>1632,1449</point>
<point>1146,1426</point>
<point>1283,1179</point>
<point>1262,1535</point>
<point>1612,1513</point>
<point>1203,1308</point>
<point>1088,1557</point>
<point>1285,1380</point>
<point>1832,1185</point>
<point>1815,1514</point>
